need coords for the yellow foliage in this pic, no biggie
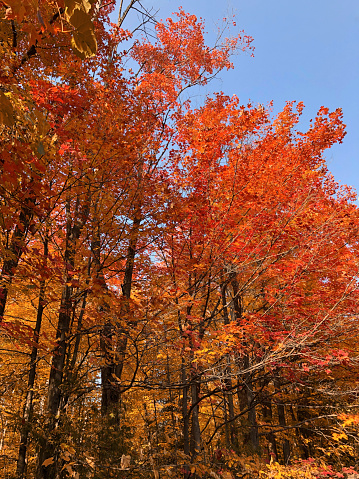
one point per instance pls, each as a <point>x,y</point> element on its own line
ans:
<point>337,437</point>
<point>278,471</point>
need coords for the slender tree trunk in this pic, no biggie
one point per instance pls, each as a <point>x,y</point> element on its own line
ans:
<point>3,434</point>
<point>71,372</point>
<point>114,344</point>
<point>303,432</point>
<point>268,417</point>
<point>226,420</point>
<point>185,415</point>
<point>109,392</point>
<point>282,421</point>
<point>49,448</point>
<point>231,427</point>
<point>169,381</point>
<point>195,428</point>
<point>28,408</point>
<point>15,250</point>
<point>185,418</point>
<point>252,417</point>
<point>195,441</point>
<point>246,399</point>
<point>110,438</point>
<point>233,433</point>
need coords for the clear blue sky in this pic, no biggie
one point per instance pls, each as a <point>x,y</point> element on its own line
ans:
<point>305,50</point>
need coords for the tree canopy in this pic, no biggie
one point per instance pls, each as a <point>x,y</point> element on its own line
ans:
<point>178,286</point>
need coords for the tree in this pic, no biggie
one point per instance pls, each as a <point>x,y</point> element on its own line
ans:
<point>179,293</point>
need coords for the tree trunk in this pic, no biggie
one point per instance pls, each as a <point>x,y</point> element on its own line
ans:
<point>252,416</point>
<point>228,394</point>
<point>113,343</point>
<point>195,428</point>
<point>248,385</point>
<point>49,448</point>
<point>185,418</point>
<point>14,252</point>
<point>305,439</point>
<point>283,423</point>
<point>268,417</point>
<point>28,408</point>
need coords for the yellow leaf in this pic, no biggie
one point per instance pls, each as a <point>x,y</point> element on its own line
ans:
<point>80,20</point>
<point>71,5</point>
<point>48,462</point>
<point>66,456</point>
<point>337,437</point>
<point>7,114</point>
<point>83,40</point>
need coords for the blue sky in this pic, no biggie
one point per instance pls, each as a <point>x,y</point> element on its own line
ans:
<point>304,51</point>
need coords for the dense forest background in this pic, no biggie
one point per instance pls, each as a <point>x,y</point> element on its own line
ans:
<point>179,279</point>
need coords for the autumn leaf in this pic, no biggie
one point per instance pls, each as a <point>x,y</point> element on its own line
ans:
<point>7,114</point>
<point>83,40</point>
<point>48,462</point>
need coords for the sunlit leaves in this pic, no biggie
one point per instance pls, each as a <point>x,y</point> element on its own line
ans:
<point>83,40</point>
<point>202,256</point>
<point>7,114</point>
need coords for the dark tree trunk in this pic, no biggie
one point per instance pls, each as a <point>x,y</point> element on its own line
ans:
<point>113,341</point>
<point>231,427</point>
<point>268,418</point>
<point>283,423</point>
<point>49,447</point>
<point>304,433</point>
<point>28,408</point>
<point>185,418</point>
<point>252,416</point>
<point>195,442</point>
<point>185,415</point>
<point>14,252</point>
<point>248,384</point>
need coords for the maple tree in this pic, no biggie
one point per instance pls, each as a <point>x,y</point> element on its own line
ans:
<point>178,290</point>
